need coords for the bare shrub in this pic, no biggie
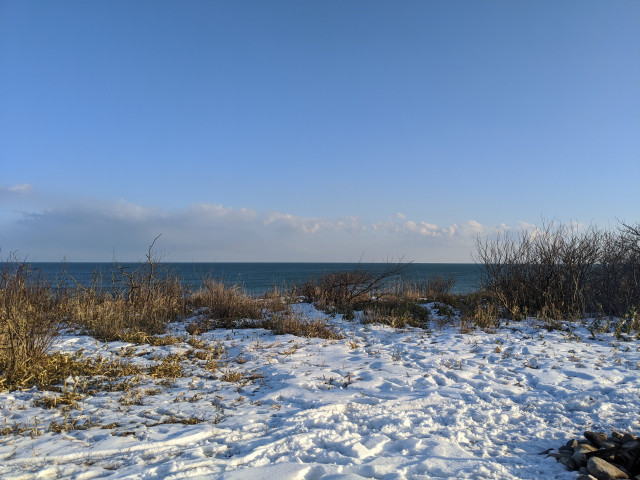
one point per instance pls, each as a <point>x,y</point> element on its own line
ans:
<point>343,290</point>
<point>617,275</point>
<point>558,271</point>
<point>29,319</point>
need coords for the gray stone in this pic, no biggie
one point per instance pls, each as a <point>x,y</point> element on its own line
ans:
<point>571,444</point>
<point>632,445</point>
<point>617,435</point>
<point>603,470</point>
<point>580,456</point>
<point>558,455</point>
<point>607,444</point>
<point>599,439</point>
<point>568,462</point>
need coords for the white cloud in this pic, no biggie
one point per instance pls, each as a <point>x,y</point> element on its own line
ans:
<point>21,188</point>
<point>127,211</point>
<point>313,225</point>
<point>291,222</point>
<point>97,230</point>
<point>16,191</point>
<point>470,228</point>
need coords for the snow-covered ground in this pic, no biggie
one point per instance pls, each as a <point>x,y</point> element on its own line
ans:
<point>381,403</point>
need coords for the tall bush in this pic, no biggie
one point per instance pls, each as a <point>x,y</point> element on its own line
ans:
<point>558,271</point>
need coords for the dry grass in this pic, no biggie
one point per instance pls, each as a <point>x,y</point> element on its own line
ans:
<point>54,369</point>
<point>30,312</point>
<point>435,289</point>
<point>68,399</point>
<point>225,305</point>
<point>396,312</point>
<point>139,304</point>
<point>486,317</point>
<point>240,377</point>
<point>128,314</point>
<point>169,366</point>
<point>290,323</point>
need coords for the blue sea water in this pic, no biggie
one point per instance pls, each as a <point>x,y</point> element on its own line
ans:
<point>258,278</point>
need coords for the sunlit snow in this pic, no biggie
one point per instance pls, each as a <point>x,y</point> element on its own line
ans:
<point>382,403</point>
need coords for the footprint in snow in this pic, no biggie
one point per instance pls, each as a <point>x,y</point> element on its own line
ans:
<point>440,380</point>
<point>376,366</point>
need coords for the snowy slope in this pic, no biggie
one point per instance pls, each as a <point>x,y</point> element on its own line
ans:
<point>381,403</point>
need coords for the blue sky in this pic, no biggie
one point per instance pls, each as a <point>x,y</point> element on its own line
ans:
<point>311,131</point>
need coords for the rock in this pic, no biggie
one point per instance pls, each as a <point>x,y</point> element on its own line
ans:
<point>569,463</point>
<point>625,457</point>
<point>571,444</point>
<point>603,470</point>
<point>608,444</point>
<point>580,457</point>
<point>598,439</point>
<point>599,457</point>
<point>632,445</point>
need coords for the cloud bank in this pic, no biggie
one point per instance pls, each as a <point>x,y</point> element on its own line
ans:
<point>95,230</point>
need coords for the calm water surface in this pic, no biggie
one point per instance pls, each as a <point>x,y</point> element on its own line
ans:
<point>258,278</point>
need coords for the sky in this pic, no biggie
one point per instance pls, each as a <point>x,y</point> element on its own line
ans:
<point>312,130</point>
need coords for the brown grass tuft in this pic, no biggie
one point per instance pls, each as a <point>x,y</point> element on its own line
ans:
<point>30,312</point>
<point>224,306</point>
<point>289,323</point>
<point>169,366</point>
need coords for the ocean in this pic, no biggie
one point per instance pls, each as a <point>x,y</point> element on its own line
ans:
<point>258,278</point>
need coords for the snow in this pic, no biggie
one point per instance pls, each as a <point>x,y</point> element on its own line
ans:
<point>381,403</point>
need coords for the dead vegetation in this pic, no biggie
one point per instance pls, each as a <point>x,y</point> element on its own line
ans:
<point>54,369</point>
<point>344,291</point>
<point>222,305</point>
<point>556,272</point>
<point>290,323</point>
<point>562,272</point>
<point>396,312</point>
<point>30,312</point>
<point>139,304</point>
